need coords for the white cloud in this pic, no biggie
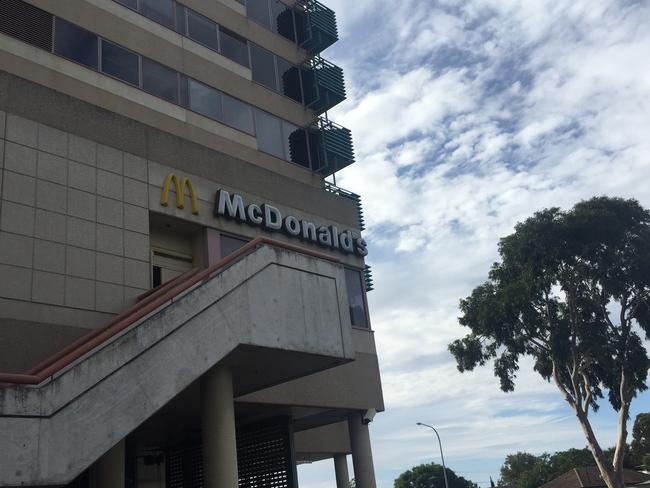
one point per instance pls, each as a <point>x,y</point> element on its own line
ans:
<point>468,116</point>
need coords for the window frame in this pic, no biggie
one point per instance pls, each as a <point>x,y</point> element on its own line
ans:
<point>100,68</point>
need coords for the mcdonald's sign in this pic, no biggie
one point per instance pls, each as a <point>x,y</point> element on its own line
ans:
<point>180,185</point>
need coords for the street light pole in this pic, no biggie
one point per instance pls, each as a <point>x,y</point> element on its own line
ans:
<point>442,456</point>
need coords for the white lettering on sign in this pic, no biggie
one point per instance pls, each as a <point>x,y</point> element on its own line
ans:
<point>270,218</point>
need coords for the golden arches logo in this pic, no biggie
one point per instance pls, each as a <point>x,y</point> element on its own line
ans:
<point>180,185</point>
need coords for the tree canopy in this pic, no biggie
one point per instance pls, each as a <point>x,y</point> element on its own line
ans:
<point>640,447</point>
<point>525,470</point>
<point>431,476</point>
<point>572,291</point>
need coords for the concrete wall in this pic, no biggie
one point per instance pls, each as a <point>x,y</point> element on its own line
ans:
<point>73,222</point>
<point>74,214</point>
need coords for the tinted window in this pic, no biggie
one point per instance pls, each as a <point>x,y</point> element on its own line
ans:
<point>129,3</point>
<point>356,301</point>
<point>295,141</point>
<point>159,80</point>
<point>75,43</point>
<point>259,11</point>
<point>263,66</point>
<point>184,90</point>
<point>282,20</point>
<point>120,63</point>
<point>233,46</point>
<point>180,19</point>
<point>202,29</point>
<point>238,114</point>
<point>230,245</point>
<point>161,11</point>
<point>289,77</point>
<point>269,134</point>
<point>205,100</point>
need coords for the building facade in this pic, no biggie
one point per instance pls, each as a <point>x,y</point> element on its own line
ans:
<point>182,294</point>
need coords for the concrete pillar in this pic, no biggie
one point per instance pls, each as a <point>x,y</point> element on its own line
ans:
<point>341,468</point>
<point>110,468</point>
<point>364,470</point>
<point>219,438</point>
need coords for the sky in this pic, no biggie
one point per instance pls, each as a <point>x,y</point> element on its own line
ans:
<point>468,116</point>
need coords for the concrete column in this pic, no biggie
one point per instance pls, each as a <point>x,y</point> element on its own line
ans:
<point>341,468</point>
<point>219,439</point>
<point>110,468</point>
<point>364,470</point>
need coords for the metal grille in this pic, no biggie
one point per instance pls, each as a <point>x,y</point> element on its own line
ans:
<point>184,468</point>
<point>265,459</point>
<point>265,455</point>
<point>26,23</point>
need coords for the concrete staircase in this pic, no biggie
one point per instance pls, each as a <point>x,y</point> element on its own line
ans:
<point>80,404</point>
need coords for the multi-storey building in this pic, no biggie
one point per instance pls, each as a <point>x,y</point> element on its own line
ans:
<point>182,295</point>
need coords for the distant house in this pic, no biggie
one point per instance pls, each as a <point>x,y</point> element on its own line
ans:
<point>590,478</point>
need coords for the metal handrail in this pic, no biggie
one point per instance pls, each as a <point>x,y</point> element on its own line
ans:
<point>149,303</point>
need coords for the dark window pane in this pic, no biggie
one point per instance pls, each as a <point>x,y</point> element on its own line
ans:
<point>289,76</point>
<point>75,43</point>
<point>157,276</point>
<point>233,46</point>
<point>238,114</point>
<point>185,90</point>
<point>181,12</point>
<point>296,145</point>
<point>202,29</point>
<point>316,150</point>
<point>230,244</point>
<point>308,85</point>
<point>282,20</point>
<point>161,11</point>
<point>301,26</point>
<point>269,134</point>
<point>356,301</point>
<point>258,10</point>
<point>159,80</point>
<point>120,63</point>
<point>263,67</point>
<point>129,3</point>
<point>205,100</point>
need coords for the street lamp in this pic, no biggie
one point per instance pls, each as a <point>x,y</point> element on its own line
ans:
<point>444,469</point>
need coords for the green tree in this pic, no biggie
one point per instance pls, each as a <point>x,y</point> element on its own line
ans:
<point>640,447</point>
<point>568,292</point>
<point>646,462</point>
<point>431,476</point>
<point>515,466</point>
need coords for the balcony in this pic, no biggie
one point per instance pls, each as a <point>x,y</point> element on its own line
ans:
<point>324,85</point>
<point>315,25</point>
<point>329,187</point>
<point>331,147</point>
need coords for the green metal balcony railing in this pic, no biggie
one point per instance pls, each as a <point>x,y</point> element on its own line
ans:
<point>367,275</point>
<point>316,24</point>
<point>331,188</point>
<point>331,147</point>
<point>323,84</point>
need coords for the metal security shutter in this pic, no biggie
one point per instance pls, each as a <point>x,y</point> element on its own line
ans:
<point>26,23</point>
<point>265,455</point>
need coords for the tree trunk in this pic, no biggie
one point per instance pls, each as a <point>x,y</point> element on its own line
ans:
<point>621,439</point>
<point>611,477</point>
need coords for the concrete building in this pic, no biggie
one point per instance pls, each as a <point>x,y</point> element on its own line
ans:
<point>182,294</point>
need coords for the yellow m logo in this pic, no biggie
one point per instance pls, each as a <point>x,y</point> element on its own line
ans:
<point>179,188</point>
